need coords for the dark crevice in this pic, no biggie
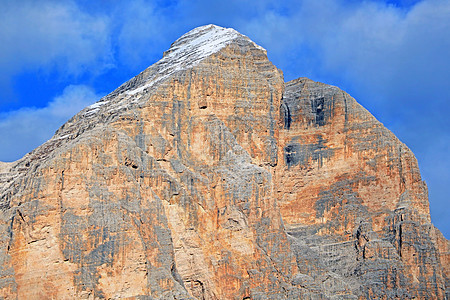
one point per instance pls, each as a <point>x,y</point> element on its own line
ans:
<point>318,110</point>
<point>286,115</point>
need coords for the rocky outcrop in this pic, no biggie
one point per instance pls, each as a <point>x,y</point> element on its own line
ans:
<point>207,177</point>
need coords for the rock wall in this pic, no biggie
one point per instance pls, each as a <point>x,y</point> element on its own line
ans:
<point>207,177</point>
<point>350,193</point>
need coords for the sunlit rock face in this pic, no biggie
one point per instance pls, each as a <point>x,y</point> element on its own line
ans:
<point>207,177</point>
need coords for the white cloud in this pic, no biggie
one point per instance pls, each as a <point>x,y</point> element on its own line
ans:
<point>23,130</point>
<point>51,34</point>
<point>396,53</point>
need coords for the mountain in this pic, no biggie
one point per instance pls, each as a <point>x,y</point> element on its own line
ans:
<point>207,176</point>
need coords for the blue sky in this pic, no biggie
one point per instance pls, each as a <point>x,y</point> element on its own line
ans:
<point>57,57</point>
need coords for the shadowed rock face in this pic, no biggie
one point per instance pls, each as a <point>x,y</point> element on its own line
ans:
<point>207,177</point>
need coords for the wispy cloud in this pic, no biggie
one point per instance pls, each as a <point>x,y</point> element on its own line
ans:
<point>25,129</point>
<point>51,36</point>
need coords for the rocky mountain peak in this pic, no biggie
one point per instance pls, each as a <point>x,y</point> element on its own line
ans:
<point>204,41</point>
<point>186,52</point>
<point>207,176</point>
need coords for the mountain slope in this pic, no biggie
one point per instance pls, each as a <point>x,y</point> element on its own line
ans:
<point>207,177</point>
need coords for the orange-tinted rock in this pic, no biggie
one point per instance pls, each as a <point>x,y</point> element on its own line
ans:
<point>351,192</point>
<point>206,177</point>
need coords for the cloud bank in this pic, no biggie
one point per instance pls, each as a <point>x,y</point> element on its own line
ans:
<point>51,36</point>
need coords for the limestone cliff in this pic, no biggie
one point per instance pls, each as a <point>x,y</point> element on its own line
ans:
<point>207,177</point>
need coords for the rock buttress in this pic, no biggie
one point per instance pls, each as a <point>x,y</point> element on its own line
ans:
<point>352,198</point>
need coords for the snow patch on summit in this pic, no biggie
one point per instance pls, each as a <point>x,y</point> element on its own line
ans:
<point>186,52</point>
<point>190,49</point>
<point>204,41</point>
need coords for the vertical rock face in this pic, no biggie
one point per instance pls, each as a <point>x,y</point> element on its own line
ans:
<point>207,177</point>
<point>351,195</point>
